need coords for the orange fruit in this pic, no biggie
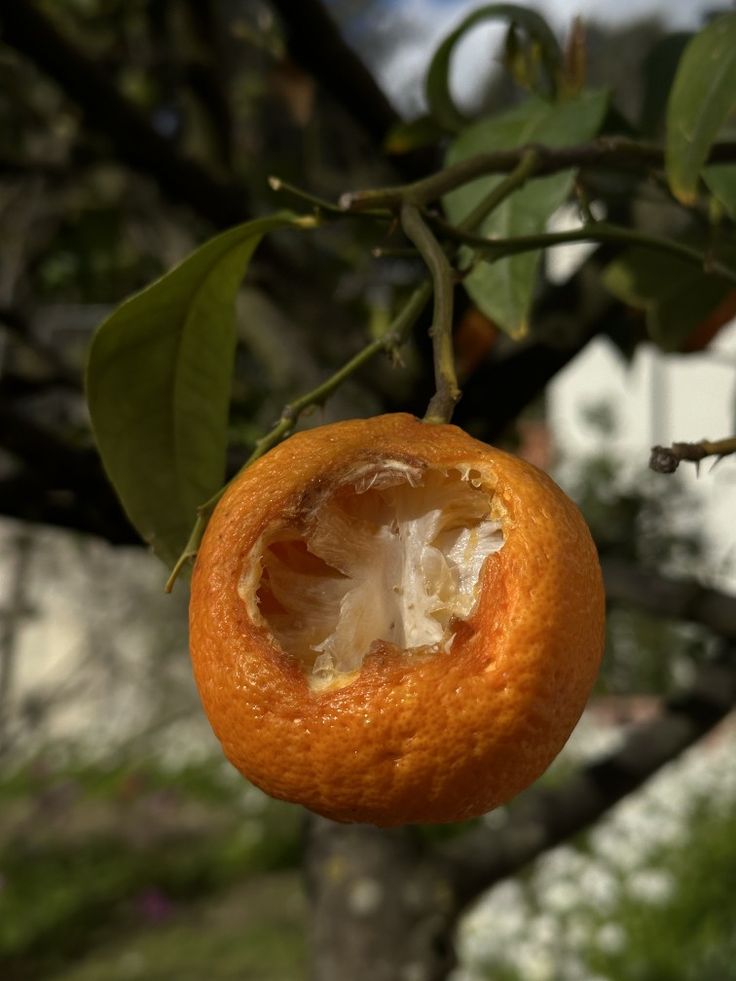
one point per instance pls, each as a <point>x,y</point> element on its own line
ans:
<point>392,622</point>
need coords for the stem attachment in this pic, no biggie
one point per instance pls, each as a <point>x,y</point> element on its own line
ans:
<point>448,392</point>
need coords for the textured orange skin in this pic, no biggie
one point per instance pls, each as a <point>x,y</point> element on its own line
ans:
<point>431,738</point>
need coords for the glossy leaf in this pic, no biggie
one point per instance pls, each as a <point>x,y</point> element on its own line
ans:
<point>158,386</point>
<point>721,180</point>
<point>441,103</point>
<point>684,307</point>
<point>503,290</point>
<point>703,95</point>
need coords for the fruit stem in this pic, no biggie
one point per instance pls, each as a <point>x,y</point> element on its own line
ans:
<point>417,230</point>
<point>448,392</point>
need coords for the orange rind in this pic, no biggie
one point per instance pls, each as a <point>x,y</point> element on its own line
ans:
<point>392,622</point>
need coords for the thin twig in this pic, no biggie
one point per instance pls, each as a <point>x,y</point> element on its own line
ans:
<point>609,152</point>
<point>666,459</point>
<point>322,205</point>
<point>393,338</point>
<point>504,189</point>
<point>595,232</point>
<point>447,393</point>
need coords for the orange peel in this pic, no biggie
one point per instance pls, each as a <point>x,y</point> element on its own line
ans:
<point>392,622</point>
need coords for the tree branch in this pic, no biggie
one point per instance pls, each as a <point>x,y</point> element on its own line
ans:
<point>546,816</point>
<point>605,152</point>
<point>666,459</point>
<point>140,146</point>
<point>515,180</point>
<point>680,599</point>
<point>597,231</point>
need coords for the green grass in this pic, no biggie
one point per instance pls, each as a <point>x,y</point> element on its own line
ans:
<point>253,933</point>
<point>89,846</point>
<point>210,781</point>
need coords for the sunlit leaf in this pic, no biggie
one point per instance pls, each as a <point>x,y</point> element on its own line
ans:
<point>522,59</point>
<point>503,290</point>
<point>684,306</point>
<point>575,66</point>
<point>441,103</point>
<point>158,386</point>
<point>721,179</point>
<point>703,95</point>
<point>405,137</point>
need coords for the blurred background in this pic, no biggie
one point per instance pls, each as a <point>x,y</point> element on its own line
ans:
<point>129,132</point>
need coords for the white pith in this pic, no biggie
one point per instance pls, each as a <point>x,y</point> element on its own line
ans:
<point>393,555</point>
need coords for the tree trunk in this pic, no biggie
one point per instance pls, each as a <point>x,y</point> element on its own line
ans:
<point>381,909</point>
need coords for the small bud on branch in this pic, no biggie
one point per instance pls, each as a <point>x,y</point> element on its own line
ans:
<point>666,459</point>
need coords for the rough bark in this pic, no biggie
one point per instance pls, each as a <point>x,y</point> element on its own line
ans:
<point>380,906</point>
<point>682,599</point>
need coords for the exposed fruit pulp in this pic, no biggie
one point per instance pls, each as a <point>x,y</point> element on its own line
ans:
<point>393,554</point>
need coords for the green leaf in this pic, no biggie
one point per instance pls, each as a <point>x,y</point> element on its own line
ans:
<point>703,95</point>
<point>659,70</point>
<point>503,290</point>
<point>441,104</point>
<point>721,179</point>
<point>158,386</point>
<point>414,135</point>
<point>677,296</point>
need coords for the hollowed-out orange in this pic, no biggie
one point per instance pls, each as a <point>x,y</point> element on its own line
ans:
<point>392,622</point>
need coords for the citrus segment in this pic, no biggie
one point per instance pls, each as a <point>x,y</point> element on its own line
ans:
<point>391,555</point>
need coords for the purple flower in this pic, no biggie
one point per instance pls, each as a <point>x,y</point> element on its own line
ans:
<point>154,906</point>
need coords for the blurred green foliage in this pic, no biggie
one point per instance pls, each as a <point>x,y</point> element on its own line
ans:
<point>690,936</point>
<point>89,852</point>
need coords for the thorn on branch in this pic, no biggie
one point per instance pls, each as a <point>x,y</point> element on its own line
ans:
<point>666,459</point>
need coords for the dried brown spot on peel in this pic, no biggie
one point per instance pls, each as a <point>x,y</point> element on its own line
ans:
<point>393,553</point>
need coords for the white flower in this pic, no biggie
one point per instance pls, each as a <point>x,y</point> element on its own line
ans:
<point>533,962</point>
<point>561,896</point>
<point>611,938</point>
<point>544,930</point>
<point>577,931</point>
<point>653,886</point>
<point>564,862</point>
<point>599,886</point>
<point>609,841</point>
